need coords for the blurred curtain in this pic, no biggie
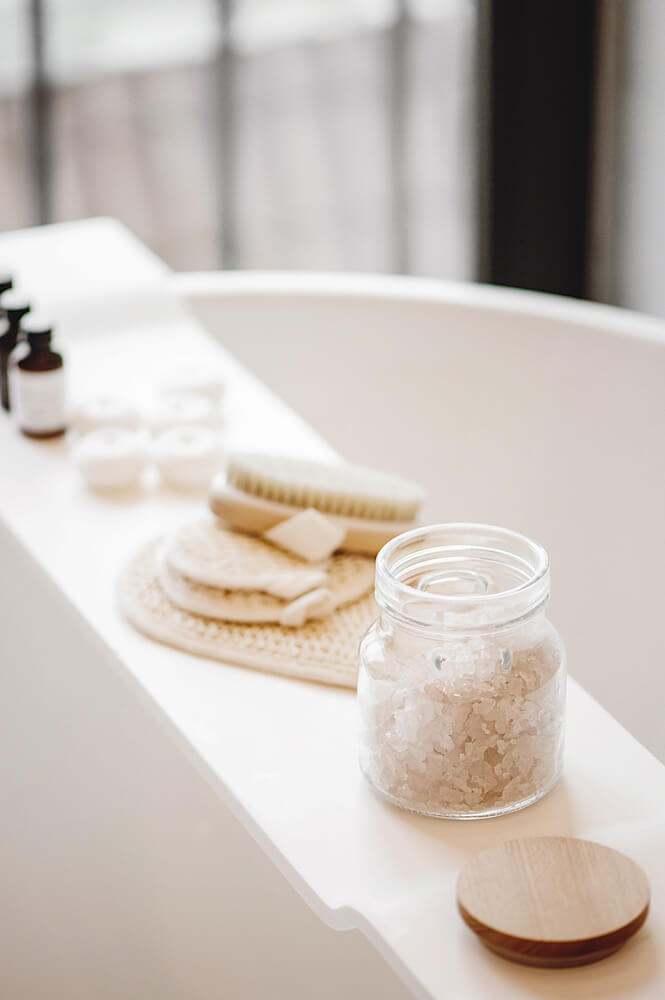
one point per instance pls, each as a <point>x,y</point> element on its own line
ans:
<point>251,133</point>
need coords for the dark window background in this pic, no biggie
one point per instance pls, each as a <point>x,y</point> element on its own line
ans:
<point>514,142</point>
<point>328,134</point>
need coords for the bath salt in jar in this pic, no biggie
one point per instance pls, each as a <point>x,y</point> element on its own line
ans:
<point>462,678</point>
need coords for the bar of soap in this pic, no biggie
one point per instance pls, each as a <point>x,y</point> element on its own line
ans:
<point>308,534</point>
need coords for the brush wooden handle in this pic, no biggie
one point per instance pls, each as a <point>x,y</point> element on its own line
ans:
<point>256,515</point>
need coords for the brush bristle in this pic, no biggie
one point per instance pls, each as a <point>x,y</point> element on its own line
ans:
<point>345,490</point>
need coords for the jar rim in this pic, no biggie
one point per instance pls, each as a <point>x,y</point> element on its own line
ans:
<point>497,554</point>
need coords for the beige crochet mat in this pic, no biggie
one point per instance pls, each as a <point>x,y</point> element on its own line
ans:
<point>348,578</point>
<point>325,650</point>
<point>211,554</point>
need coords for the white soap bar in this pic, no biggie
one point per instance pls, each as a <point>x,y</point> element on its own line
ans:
<point>187,456</point>
<point>308,534</point>
<point>111,457</point>
<point>104,411</point>
<point>316,604</point>
<point>181,408</point>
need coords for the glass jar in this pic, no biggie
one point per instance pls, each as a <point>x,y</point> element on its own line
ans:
<point>462,678</point>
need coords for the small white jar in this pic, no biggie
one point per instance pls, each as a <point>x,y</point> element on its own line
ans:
<point>104,410</point>
<point>176,409</point>
<point>193,380</point>
<point>187,457</point>
<point>111,457</point>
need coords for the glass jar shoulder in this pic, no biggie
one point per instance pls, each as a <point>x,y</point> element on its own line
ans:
<point>391,653</point>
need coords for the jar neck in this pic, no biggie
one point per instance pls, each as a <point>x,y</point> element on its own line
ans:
<point>462,579</point>
<point>523,634</point>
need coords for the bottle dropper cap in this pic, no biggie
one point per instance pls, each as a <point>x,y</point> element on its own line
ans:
<point>6,281</point>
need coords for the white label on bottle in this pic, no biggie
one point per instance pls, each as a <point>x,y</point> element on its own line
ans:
<point>39,400</point>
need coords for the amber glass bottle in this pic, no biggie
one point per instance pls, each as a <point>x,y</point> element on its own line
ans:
<point>13,307</point>
<point>38,384</point>
<point>7,345</point>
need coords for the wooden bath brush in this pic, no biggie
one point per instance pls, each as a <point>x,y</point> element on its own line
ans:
<point>260,491</point>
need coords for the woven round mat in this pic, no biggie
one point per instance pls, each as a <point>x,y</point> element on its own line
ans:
<point>325,651</point>
<point>349,578</point>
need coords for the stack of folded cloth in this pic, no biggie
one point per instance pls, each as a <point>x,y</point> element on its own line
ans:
<point>210,570</point>
<point>281,594</point>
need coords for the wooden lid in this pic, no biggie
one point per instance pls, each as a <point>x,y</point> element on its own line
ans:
<point>553,901</point>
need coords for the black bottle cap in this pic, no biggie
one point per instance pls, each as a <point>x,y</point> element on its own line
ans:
<point>14,306</point>
<point>37,329</point>
<point>6,281</point>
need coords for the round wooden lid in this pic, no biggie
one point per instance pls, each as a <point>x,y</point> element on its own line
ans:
<point>553,901</point>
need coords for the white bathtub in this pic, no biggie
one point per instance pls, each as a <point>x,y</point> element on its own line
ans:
<point>539,413</point>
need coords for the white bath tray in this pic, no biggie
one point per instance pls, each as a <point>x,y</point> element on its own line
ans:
<point>282,754</point>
